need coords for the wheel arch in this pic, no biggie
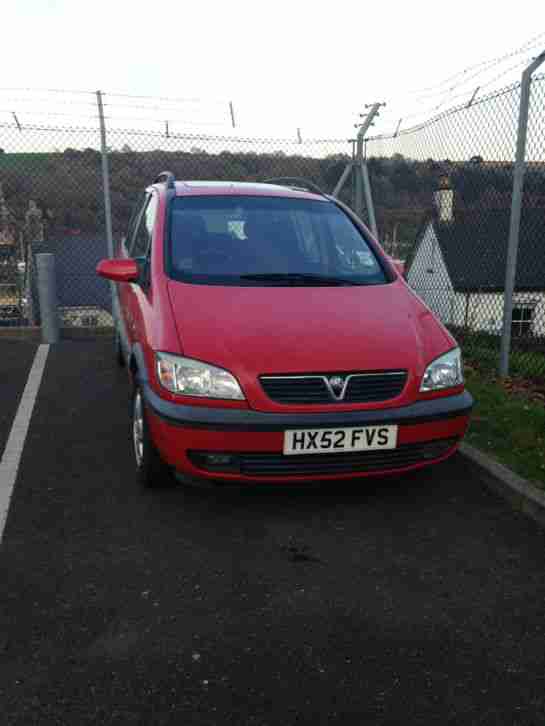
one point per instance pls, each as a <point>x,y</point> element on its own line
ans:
<point>137,364</point>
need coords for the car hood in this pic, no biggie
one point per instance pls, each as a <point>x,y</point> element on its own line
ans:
<point>257,330</point>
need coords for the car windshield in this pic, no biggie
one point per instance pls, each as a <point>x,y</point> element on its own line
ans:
<point>258,240</point>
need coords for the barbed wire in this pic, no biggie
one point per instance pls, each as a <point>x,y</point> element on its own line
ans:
<point>168,99</point>
<point>468,94</point>
<point>147,133</point>
<point>524,61</point>
<point>106,94</point>
<point>429,121</point>
<point>186,122</point>
<point>178,115</point>
<point>144,107</point>
<point>498,59</point>
<point>169,113</point>
<point>480,74</point>
<point>47,90</point>
<point>445,96</point>
<point>63,102</point>
<point>41,112</point>
<point>174,109</point>
<point>188,112</point>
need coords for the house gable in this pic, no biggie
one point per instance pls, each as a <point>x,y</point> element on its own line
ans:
<point>428,275</point>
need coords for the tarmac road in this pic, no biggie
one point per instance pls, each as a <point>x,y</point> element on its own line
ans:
<point>411,600</point>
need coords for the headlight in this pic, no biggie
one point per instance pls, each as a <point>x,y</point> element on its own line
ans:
<point>444,372</point>
<point>193,378</point>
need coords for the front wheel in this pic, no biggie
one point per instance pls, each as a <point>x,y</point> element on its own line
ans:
<point>151,470</point>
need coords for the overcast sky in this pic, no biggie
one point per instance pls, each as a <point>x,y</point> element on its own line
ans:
<point>285,64</point>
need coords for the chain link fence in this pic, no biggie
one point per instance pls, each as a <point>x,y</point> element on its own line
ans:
<point>442,194</point>
<point>51,200</point>
<point>441,190</point>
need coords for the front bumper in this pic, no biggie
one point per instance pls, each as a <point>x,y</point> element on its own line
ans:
<point>183,434</point>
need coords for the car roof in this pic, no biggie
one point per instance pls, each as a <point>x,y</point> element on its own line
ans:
<point>237,188</point>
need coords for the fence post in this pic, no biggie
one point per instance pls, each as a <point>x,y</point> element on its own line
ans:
<point>105,176</point>
<point>360,170</point>
<point>340,183</point>
<point>358,201</point>
<point>369,199</point>
<point>107,198</point>
<point>47,295</point>
<point>516,204</point>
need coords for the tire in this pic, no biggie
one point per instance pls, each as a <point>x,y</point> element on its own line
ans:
<point>151,470</point>
<point>119,357</point>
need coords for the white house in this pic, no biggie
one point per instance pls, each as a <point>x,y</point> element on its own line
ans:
<point>458,267</point>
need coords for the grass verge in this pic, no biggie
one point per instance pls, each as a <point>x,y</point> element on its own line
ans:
<point>508,424</point>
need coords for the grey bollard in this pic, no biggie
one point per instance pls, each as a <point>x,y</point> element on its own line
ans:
<point>47,293</point>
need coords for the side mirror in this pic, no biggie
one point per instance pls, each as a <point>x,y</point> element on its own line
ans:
<point>119,270</point>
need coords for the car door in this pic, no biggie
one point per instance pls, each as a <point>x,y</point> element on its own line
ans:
<point>138,294</point>
<point>123,252</point>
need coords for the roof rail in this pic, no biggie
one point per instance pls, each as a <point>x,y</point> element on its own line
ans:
<point>296,182</point>
<point>167,177</point>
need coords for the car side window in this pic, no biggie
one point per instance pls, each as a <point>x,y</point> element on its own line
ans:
<point>144,230</point>
<point>133,219</point>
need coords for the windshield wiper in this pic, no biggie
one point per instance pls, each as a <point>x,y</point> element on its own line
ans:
<point>298,278</point>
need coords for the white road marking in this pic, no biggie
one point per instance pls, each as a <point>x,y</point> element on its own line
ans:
<point>9,465</point>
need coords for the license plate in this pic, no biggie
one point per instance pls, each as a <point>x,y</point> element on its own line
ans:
<point>331,441</point>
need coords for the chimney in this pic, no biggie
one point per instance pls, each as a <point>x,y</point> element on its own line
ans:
<point>444,200</point>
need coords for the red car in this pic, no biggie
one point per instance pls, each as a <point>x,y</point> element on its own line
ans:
<point>269,338</point>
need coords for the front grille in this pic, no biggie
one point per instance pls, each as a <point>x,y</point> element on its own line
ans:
<point>267,464</point>
<point>314,389</point>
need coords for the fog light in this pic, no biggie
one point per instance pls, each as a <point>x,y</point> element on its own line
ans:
<point>219,459</point>
<point>215,461</point>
